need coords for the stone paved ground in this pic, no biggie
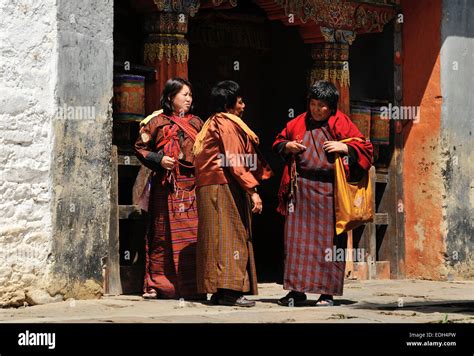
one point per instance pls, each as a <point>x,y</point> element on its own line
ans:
<point>378,301</point>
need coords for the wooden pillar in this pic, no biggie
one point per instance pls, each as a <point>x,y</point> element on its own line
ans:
<point>331,63</point>
<point>113,283</point>
<point>166,49</point>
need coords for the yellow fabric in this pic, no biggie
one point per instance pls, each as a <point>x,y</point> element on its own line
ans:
<point>352,200</point>
<point>147,119</point>
<point>198,145</point>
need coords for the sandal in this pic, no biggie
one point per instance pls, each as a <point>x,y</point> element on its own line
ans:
<point>152,294</point>
<point>325,301</point>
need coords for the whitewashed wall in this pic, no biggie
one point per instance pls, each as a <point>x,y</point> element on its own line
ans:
<point>54,54</point>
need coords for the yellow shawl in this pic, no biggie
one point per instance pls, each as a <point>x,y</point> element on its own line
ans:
<point>149,117</point>
<point>199,144</point>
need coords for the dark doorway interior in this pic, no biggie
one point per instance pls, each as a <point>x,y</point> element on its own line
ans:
<point>131,223</point>
<point>270,63</point>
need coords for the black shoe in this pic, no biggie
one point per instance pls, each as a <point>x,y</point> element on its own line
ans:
<point>292,299</point>
<point>215,298</point>
<point>235,301</point>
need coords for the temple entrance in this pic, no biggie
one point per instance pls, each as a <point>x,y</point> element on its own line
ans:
<point>269,61</point>
<point>273,60</point>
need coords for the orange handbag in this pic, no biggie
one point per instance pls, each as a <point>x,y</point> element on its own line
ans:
<point>352,200</point>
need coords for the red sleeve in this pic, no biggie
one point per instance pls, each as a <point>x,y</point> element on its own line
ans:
<point>145,150</point>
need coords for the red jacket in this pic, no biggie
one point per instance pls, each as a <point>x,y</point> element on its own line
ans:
<point>340,127</point>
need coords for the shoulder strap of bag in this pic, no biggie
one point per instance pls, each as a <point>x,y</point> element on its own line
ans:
<point>351,138</point>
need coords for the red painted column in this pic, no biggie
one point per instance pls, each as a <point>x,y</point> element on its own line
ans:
<point>166,49</point>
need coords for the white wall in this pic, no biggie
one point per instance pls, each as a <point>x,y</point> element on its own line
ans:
<point>54,54</point>
<point>28,38</point>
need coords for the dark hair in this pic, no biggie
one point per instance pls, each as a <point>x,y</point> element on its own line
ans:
<point>224,95</point>
<point>173,87</point>
<point>324,91</point>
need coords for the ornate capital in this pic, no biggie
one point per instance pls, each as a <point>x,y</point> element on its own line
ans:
<point>341,36</point>
<point>330,63</point>
<point>166,22</point>
<point>330,52</point>
<point>166,46</point>
<point>165,40</point>
<point>187,7</point>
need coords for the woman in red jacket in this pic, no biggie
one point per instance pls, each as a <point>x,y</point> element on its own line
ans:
<point>309,143</point>
<point>165,146</point>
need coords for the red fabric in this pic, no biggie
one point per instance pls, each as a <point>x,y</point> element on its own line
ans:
<point>171,242</point>
<point>184,125</point>
<point>170,132</point>
<point>171,145</point>
<point>340,127</point>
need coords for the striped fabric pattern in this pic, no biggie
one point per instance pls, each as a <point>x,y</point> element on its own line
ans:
<point>225,257</point>
<point>171,241</point>
<point>310,229</point>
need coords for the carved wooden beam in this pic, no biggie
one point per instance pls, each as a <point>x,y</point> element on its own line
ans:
<point>317,18</point>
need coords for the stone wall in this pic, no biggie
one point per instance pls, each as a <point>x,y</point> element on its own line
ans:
<point>82,146</point>
<point>55,139</point>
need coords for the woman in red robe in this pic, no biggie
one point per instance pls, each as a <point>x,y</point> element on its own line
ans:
<point>306,196</point>
<point>165,146</point>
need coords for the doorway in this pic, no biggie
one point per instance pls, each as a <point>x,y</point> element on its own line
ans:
<point>270,62</point>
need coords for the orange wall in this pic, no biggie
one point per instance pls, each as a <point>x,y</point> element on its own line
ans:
<point>423,186</point>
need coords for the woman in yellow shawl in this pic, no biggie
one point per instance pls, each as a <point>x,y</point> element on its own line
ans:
<point>228,170</point>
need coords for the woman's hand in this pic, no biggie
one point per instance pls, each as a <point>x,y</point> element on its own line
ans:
<point>257,203</point>
<point>294,147</point>
<point>168,162</point>
<point>335,147</point>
